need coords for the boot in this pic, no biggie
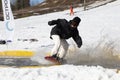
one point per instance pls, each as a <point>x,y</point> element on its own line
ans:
<point>59,59</point>
<point>54,56</point>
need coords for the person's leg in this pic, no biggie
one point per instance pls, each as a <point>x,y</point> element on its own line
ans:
<point>57,43</point>
<point>63,48</point>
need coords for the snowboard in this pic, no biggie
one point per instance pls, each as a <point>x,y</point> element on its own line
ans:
<point>53,60</point>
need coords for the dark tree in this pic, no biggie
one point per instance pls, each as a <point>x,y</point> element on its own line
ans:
<point>0,6</point>
<point>20,4</point>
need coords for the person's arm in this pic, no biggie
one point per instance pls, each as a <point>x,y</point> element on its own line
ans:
<point>53,22</point>
<point>77,39</point>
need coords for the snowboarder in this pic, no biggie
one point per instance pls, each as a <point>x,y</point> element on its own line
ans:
<point>63,30</point>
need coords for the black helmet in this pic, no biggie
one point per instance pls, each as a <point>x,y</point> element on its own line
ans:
<point>77,20</point>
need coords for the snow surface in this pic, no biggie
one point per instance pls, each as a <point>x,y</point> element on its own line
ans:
<point>64,72</point>
<point>99,30</point>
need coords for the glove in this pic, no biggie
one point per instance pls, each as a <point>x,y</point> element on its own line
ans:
<point>79,46</point>
<point>50,23</point>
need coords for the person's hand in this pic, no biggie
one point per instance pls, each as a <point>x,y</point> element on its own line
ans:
<point>50,23</point>
<point>79,46</point>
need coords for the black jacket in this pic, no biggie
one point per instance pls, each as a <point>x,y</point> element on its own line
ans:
<point>65,31</point>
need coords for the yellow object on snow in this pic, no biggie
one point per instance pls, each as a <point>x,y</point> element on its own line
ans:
<point>16,53</point>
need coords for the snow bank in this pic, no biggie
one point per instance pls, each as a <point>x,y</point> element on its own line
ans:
<point>64,72</point>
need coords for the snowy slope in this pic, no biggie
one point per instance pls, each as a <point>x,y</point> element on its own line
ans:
<point>99,30</point>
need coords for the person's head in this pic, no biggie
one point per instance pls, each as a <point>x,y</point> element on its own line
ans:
<point>75,22</point>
